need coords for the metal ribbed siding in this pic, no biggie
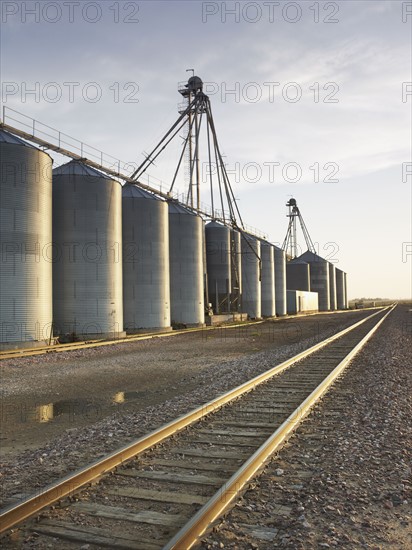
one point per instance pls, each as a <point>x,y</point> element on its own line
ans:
<point>25,243</point>
<point>251,285</point>
<point>218,265</point>
<point>236,270</point>
<point>340,289</point>
<point>280,281</point>
<point>346,290</point>
<point>186,238</point>
<point>298,276</point>
<point>319,278</point>
<point>332,287</point>
<point>146,291</point>
<point>87,233</point>
<point>268,302</point>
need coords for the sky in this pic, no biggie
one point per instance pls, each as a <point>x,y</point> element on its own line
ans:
<point>310,99</point>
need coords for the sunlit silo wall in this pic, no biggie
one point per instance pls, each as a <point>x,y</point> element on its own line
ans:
<point>268,303</point>
<point>146,291</point>
<point>186,237</point>
<point>218,266</point>
<point>340,289</point>
<point>346,291</point>
<point>298,275</point>
<point>25,243</point>
<point>319,278</point>
<point>280,281</point>
<point>236,270</point>
<point>251,284</point>
<point>87,266</point>
<point>332,287</point>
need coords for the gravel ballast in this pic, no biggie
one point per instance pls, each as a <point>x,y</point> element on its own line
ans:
<point>178,374</point>
<point>343,480</point>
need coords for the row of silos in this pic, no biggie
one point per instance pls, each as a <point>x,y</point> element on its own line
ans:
<point>310,272</point>
<point>93,258</point>
<point>244,273</point>
<point>83,256</point>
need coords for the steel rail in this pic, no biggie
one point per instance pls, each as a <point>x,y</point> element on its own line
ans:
<point>70,484</point>
<point>86,344</point>
<point>191,533</point>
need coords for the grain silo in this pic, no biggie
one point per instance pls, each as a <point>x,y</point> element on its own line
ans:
<point>319,278</point>
<point>268,303</point>
<point>298,275</point>
<point>87,268</point>
<point>346,290</point>
<point>186,238</point>
<point>25,244</point>
<point>332,287</point>
<point>146,290</point>
<point>218,266</point>
<point>280,281</point>
<point>236,270</point>
<point>251,276</point>
<point>340,289</point>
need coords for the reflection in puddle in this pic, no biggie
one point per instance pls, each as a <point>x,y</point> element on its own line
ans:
<point>124,396</point>
<point>44,413</point>
<point>71,409</point>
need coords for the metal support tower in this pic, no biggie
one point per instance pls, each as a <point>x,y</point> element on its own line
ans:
<point>196,110</point>
<point>290,243</point>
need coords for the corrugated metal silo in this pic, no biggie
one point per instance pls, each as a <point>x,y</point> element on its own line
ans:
<point>340,289</point>
<point>346,291</point>
<point>298,275</point>
<point>87,269</point>
<point>251,284</point>
<point>25,243</point>
<point>268,307</point>
<point>280,281</point>
<point>236,270</point>
<point>319,278</point>
<point>146,290</point>
<point>186,238</point>
<point>332,287</point>
<point>218,266</point>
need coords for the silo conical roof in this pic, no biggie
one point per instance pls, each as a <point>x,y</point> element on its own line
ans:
<point>309,256</point>
<point>135,192</point>
<point>78,168</point>
<point>6,137</point>
<point>177,208</point>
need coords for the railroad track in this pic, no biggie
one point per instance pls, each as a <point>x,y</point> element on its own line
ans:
<point>167,488</point>
<point>86,344</point>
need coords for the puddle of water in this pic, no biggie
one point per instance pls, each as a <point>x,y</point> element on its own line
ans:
<point>124,397</point>
<point>71,409</point>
